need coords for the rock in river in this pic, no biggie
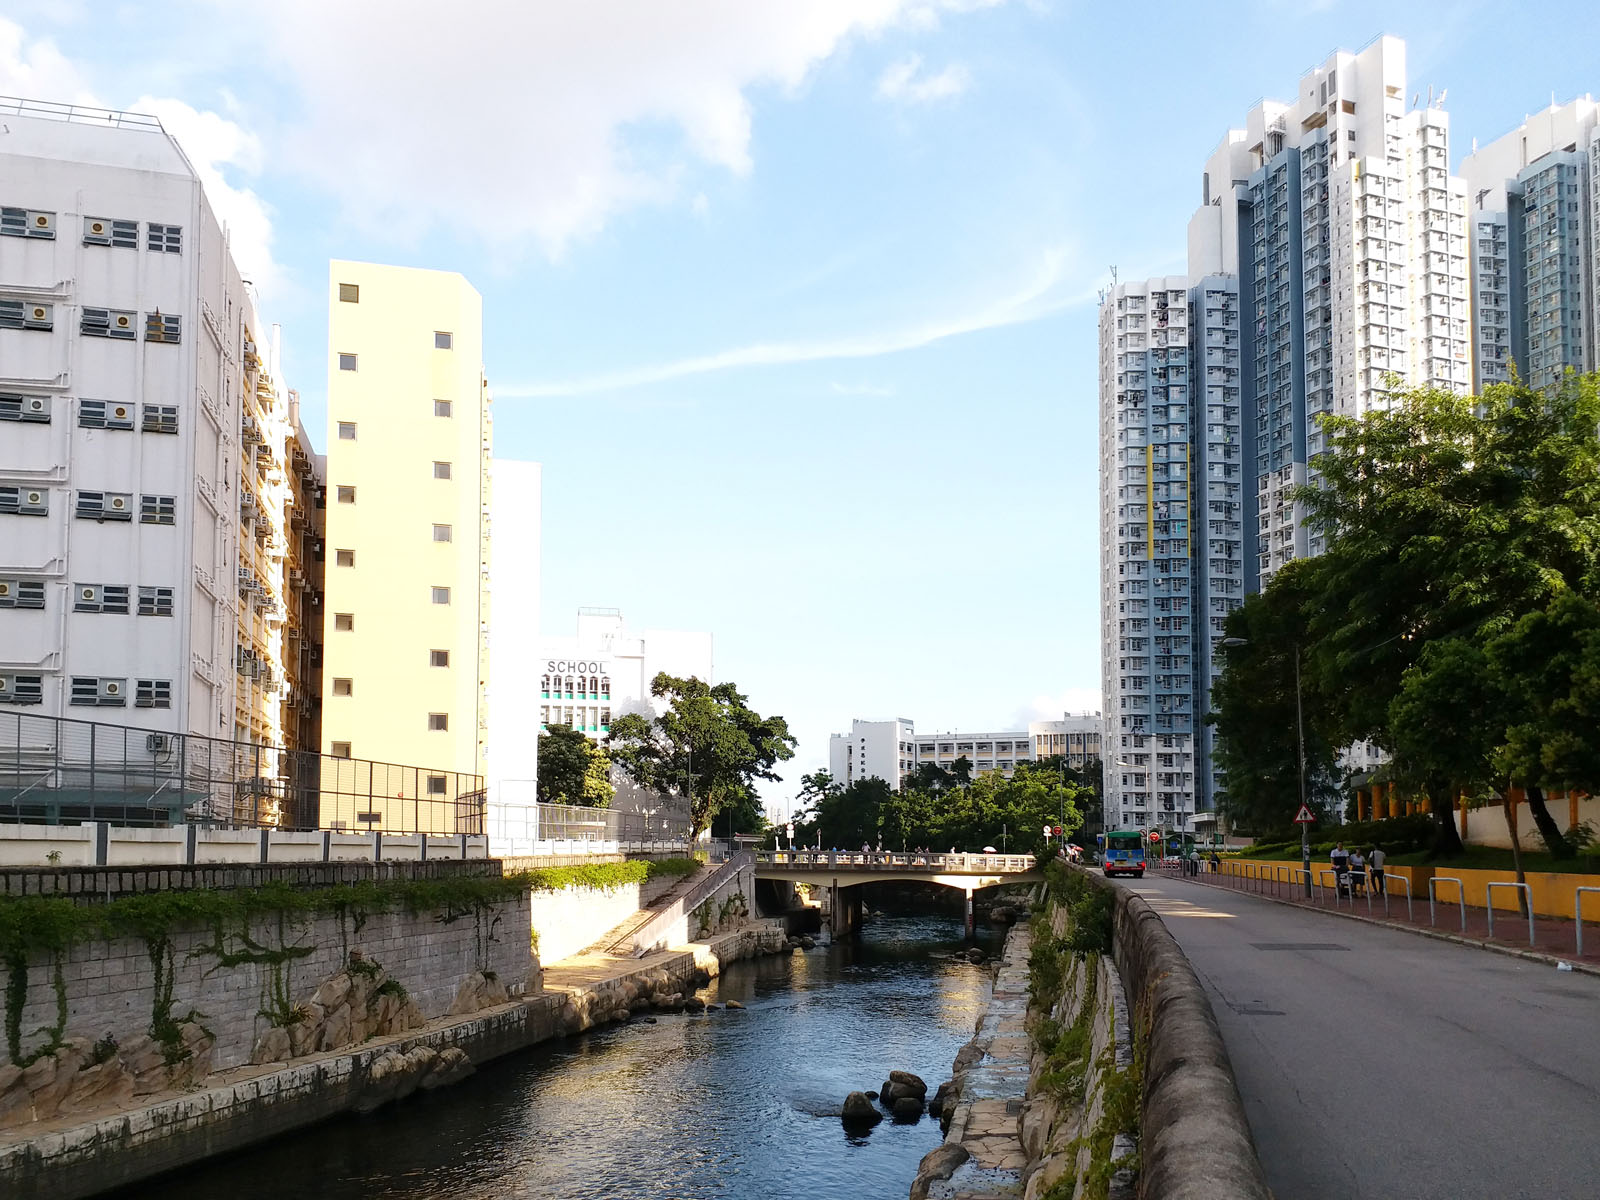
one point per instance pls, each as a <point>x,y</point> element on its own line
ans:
<point>858,1110</point>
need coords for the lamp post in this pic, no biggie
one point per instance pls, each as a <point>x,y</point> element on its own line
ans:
<point>1300,729</point>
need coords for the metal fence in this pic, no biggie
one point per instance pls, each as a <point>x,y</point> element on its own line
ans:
<point>577,823</point>
<point>56,770</point>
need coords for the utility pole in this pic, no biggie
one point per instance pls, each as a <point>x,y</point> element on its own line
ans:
<point>1300,724</point>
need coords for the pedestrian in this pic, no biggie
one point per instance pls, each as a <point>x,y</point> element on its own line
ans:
<point>1340,858</point>
<point>1216,863</point>
<point>1375,869</point>
<point>1358,872</point>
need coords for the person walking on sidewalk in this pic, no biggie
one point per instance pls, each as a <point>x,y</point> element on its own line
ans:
<point>1358,872</point>
<point>1375,869</point>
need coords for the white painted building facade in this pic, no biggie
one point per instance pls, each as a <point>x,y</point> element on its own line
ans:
<point>891,750</point>
<point>604,670</point>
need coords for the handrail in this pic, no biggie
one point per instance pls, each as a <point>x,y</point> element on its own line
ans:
<point>1461,898</point>
<point>650,932</point>
<point>891,860</point>
<point>1527,897</point>
<point>1577,911</point>
<point>1389,878</point>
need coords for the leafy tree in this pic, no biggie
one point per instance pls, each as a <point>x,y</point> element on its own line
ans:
<point>961,771</point>
<point>572,769</point>
<point>850,817</point>
<point>708,745</point>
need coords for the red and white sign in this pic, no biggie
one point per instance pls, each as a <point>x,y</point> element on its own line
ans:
<point>1304,817</point>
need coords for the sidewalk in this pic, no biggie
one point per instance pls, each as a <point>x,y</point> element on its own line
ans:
<point>1554,938</point>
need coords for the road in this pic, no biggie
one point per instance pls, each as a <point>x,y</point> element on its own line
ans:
<point>1379,1064</point>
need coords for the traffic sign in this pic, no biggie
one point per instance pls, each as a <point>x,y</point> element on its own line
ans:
<point>1047,831</point>
<point>1304,816</point>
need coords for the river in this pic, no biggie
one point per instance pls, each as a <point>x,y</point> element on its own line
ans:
<point>726,1104</point>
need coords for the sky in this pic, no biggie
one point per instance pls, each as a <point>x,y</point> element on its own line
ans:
<point>796,302</point>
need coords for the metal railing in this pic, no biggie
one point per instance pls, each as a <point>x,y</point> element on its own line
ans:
<point>907,861</point>
<point>1461,899</point>
<point>58,770</point>
<point>1577,911</point>
<point>578,823</point>
<point>1527,901</point>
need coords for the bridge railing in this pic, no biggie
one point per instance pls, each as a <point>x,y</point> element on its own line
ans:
<point>1001,864</point>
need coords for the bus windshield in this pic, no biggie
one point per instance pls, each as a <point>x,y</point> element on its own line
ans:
<point>1124,852</point>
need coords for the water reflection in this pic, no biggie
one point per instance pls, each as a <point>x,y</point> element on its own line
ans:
<point>725,1104</point>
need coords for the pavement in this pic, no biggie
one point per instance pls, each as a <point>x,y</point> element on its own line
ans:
<point>1376,1063</point>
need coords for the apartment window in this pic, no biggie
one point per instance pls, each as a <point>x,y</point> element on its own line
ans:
<point>25,502</point>
<point>438,785</point>
<point>155,601</point>
<point>167,239</point>
<point>344,558</point>
<point>346,493</point>
<point>158,510</point>
<point>339,749</point>
<point>102,414</point>
<point>152,693</point>
<point>442,341</point>
<point>441,533</point>
<point>347,362</point>
<point>100,598</point>
<point>27,222</point>
<point>99,231</point>
<point>160,418</point>
<point>441,408</point>
<point>347,431</point>
<point>32,409</point>
<point>350,293</point>
<point>436,658</point>
<point>163,327</point>
<point>21,689</point>
<point>441,470</point>
<point>438,722</point>
<point>441,595</point>
<point>25,314</point>
<point>29,593</point>
<point>104,506</point>
<point>99,690</point>
<point>343,687</point>
<point>344,622</point>
<point>118,323</point>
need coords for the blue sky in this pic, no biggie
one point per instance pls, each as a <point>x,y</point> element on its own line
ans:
<point>795,302</point>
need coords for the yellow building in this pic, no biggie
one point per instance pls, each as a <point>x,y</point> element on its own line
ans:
<point>406,611</point>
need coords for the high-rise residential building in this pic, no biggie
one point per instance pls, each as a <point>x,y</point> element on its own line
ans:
<point>405,660</point>
<point>145,491</point>
<point>1535,235</point>
<point>1173,507</point>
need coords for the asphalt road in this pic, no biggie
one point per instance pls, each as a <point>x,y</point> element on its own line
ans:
<point>1386,1065</point>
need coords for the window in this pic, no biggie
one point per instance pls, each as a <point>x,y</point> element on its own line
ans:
<point>100,598</point>
<point>441,470</point>
<point>99,690</point>
<point>343,687</point>
<point>441,595</point>
<point>165,238</point>
<point>442,341</point>
<point>32,409</point>
<point>160,418</point>
<point>441,533</point>
<point>346,493</point>
<point>24,314</point>
<point>152,693</point>
<point>344,622</point>
<point>438,722</point>
<point>29,593</point>
<point>163,327</point>
<point>104,506</point>
<point>436,658</point>
<point>119,323</point>
<point>21,689</point>
<point>27,222</point>
<point>102,414</point>
<point>347,431</point>
<point>25,502</point>
<point>350,293</point>
<point>339,749</point>
<point>437,785</point>
<point>347,362</point>
<point>158,510</point>
<point>344,558</point>
<point>99,231</point>
<point>441,408</point>
<point>155,601</point>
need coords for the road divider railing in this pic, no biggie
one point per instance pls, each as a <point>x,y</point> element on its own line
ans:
<point>1461,899</point>
<point>1577,907</point>
<point>1527,905</point>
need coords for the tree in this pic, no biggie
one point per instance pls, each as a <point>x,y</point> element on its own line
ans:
<point>850,817</point>
<point>708,745</point>
<point>961,771</point>
<point>572,769</point>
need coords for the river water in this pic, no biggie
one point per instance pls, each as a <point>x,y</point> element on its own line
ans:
<point>725,1104</point>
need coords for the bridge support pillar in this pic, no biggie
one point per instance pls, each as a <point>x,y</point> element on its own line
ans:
<point>971,924</point>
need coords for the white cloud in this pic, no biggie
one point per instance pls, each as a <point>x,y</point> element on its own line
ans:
<point>543,121</point>
<point>219,149</point>
<point>1037,298</point>
<point>906,83</point>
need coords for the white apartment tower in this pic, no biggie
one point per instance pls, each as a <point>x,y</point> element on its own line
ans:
<point>142,440</point>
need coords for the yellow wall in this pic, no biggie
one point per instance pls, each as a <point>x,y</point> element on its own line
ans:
<point>388,592</point>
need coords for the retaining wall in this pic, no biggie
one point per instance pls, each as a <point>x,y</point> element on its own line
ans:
<point>572,918</point>
<point>97,843</point>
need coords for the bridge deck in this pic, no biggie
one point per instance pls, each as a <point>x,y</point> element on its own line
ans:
<point>772,862</point>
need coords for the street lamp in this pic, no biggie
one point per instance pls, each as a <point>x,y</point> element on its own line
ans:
<point>1229,643</point>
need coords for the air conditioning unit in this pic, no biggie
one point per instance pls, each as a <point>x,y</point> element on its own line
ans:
<point>96,232</point>
<point>39,316</point>
<point>36,408</point>
<point>158,743</point>
<point>119,505</point>
<point>34,504</point>
<point>111,689</point>
<point>122,325</point>
<point>41,224</point>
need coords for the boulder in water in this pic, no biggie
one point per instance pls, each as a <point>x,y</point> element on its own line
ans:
<point>858,1110</point>
<point>907,1110</point>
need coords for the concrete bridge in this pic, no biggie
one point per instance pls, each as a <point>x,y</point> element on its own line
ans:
<point>834,872</point>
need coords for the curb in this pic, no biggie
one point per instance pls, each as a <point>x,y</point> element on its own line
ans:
<point>1437,935</point>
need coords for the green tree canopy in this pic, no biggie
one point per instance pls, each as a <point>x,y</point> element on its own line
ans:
<point>572,769</point>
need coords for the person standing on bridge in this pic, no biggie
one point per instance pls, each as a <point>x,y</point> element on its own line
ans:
<point>1375,869</point>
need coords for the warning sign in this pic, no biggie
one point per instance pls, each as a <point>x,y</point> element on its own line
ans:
<point>1304,817</point>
